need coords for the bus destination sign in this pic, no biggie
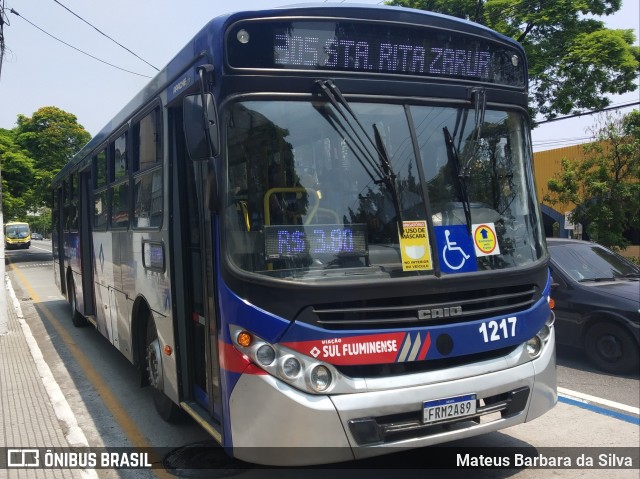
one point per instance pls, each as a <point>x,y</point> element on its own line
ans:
<point>373,48</point>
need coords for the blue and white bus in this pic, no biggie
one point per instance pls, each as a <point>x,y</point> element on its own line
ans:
<point>317,228</point>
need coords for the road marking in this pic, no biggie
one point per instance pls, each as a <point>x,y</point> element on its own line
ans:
<point>587,398</point>
<point>600,410</point>
<point>111,402</point>
<point>41,249</point>
<point>584,401</point>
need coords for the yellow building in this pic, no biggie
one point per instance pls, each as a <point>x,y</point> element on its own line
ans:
<point>546,164</point>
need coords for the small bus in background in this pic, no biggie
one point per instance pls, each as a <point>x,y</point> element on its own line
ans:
<point>17,235</point>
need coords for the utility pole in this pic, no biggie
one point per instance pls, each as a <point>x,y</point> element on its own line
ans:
<point>4,315</point>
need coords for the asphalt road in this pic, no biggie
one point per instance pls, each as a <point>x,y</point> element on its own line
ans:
<point>596,411</point>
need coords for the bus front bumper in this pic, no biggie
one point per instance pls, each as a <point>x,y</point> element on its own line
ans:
<point>275,424</point>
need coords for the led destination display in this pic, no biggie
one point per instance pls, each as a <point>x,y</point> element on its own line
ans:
<point>373,48</point>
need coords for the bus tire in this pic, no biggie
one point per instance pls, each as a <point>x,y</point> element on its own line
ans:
<point>166,408</point>
<point>77,319</point>
<point>611,348</point>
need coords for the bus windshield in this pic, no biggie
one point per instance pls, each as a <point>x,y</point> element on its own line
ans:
<point>17,231</point>
<point>309,196</point>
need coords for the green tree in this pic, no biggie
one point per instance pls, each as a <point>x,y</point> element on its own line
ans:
<point>574,61</point>
<point>51,137</point>
<point>605,185</point>
<point>41,223</point>
<point>17,177</point>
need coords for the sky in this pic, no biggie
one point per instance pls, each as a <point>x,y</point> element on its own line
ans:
<point>39,71</point>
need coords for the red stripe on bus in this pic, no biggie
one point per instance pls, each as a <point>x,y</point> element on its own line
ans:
<point>425,347</point>
<point>234,361</point>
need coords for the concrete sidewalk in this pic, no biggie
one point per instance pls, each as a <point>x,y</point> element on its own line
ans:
<point>33,410</point>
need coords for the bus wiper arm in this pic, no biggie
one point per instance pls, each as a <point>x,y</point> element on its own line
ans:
<point>462,173</point>
<point>361,153</point>
<point>383,168</point>
<point>334,95</point>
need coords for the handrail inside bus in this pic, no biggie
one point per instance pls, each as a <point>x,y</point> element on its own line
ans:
<point>311,193</point>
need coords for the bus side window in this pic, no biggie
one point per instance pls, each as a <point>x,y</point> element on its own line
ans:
<point>100,210</point>
<point>119,177</point>
<point>146,161</point>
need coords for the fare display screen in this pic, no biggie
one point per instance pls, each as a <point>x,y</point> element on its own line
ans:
<point>372,48</point>
<point>315,240</point>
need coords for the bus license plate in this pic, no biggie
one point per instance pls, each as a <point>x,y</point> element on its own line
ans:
<point>448,408</point>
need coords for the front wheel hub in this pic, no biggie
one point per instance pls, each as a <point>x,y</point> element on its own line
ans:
<point>154,365</point>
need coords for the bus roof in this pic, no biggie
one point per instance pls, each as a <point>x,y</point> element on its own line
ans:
<point>186,56</point>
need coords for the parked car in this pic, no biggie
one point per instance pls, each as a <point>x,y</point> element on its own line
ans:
<point>597,303</point>
<point>36,236</point>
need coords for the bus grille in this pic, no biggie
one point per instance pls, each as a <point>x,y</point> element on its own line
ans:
<point>422,310</point>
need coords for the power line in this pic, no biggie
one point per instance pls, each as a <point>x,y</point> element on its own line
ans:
<point>77,49</point>
<point>104,34</point>
<point>591,112</point>
<point>561,142</point>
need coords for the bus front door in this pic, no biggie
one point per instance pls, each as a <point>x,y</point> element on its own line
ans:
<point>193,263</point>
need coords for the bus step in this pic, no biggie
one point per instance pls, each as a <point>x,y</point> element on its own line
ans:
<point>92,319</point>
<point>203,418</point>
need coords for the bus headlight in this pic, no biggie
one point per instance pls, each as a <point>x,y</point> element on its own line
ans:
<point>544,333</point>
<point>265,355</point>
<point>291,367</point>
<point>300,371</point>
<point>320,378</point>
<point>536,344</point>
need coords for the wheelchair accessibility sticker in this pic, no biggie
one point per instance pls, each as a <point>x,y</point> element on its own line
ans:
<point>455,249</point>
<point>414,246</point>
<point>485,239</point>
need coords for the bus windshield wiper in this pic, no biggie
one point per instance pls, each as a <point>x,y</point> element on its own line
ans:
<point>462,173</point>
<point>383,166</point>
<point>389,178</point>
<point>463,168</point>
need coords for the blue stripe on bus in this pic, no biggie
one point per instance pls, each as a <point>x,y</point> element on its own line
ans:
<point>600,410</point>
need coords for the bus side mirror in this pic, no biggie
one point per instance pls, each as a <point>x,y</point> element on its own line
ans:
<point>201,126</point>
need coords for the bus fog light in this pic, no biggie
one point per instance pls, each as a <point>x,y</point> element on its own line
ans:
<point>291,367</point>
<point>265,355</point>
<point>320,378</point>
<point>534,345</point>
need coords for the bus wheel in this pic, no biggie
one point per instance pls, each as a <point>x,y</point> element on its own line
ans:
<point>166,408</point>
<point>77,319</point>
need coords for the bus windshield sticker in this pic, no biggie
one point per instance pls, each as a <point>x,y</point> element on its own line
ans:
<point>414,246</point>
<point>485,239</point>
<point>368,47</point>
<point>455,249</point>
